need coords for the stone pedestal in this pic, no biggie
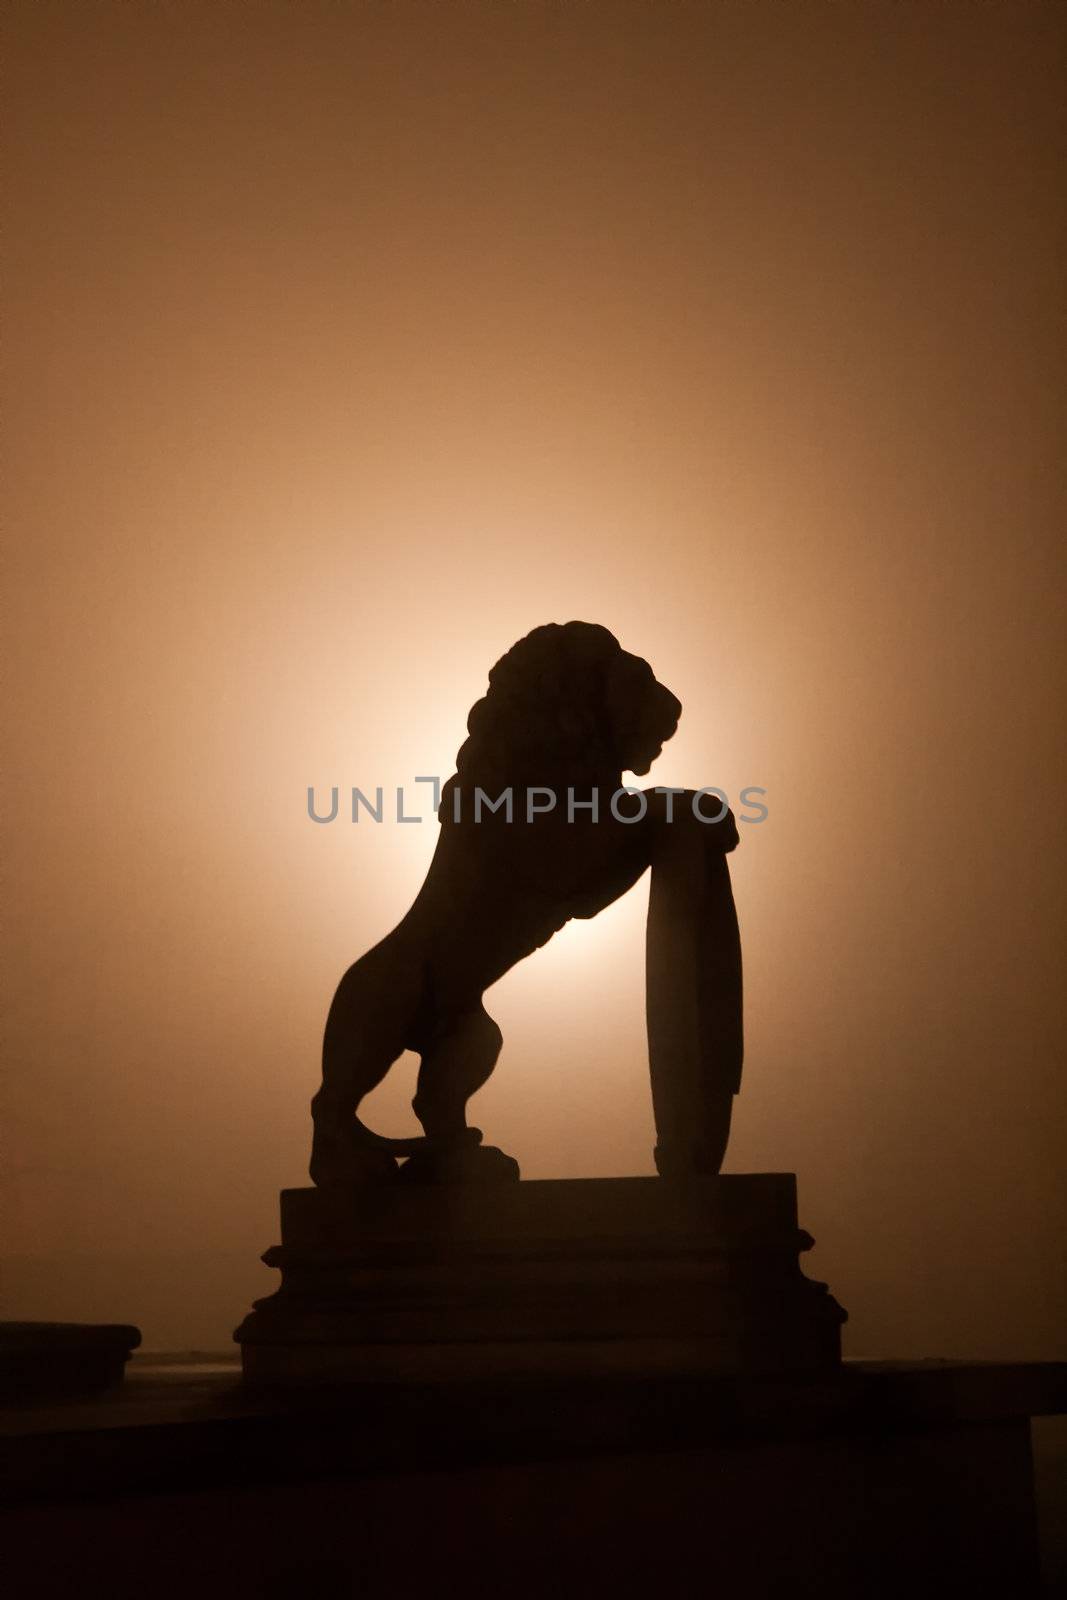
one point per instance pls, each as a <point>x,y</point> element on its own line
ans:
<point>595,1275</point>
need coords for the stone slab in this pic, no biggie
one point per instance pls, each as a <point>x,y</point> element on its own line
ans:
<point>42,1358</point>
<point>585,1214</point>
<point>875,1479</point>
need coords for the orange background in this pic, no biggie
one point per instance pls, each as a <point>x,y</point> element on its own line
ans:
<point>347,342</point>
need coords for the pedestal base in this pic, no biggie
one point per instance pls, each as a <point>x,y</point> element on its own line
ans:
<point>592,1274</point>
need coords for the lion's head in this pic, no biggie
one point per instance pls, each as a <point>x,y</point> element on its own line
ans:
<point>566,702</point>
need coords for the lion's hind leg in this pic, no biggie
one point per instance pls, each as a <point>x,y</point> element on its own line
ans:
<point>366,1031</point>
<point>456,1061</point>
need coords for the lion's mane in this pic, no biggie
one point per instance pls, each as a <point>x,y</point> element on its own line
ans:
<point>545,718</point>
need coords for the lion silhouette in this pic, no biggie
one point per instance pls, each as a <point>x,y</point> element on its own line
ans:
<point>567,712</point>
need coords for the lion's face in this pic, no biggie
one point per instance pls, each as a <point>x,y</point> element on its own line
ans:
<point>643,712</point>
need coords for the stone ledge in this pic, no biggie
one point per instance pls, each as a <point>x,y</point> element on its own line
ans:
<point>180,1427</point>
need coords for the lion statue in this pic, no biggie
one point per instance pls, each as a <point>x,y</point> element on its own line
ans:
<point>536,828</point>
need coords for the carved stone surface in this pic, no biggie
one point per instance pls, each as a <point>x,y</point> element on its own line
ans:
<point>567,712</point>
<point>615,1271</point>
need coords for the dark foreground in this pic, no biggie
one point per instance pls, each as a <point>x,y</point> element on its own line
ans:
<point>876,1479</point>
